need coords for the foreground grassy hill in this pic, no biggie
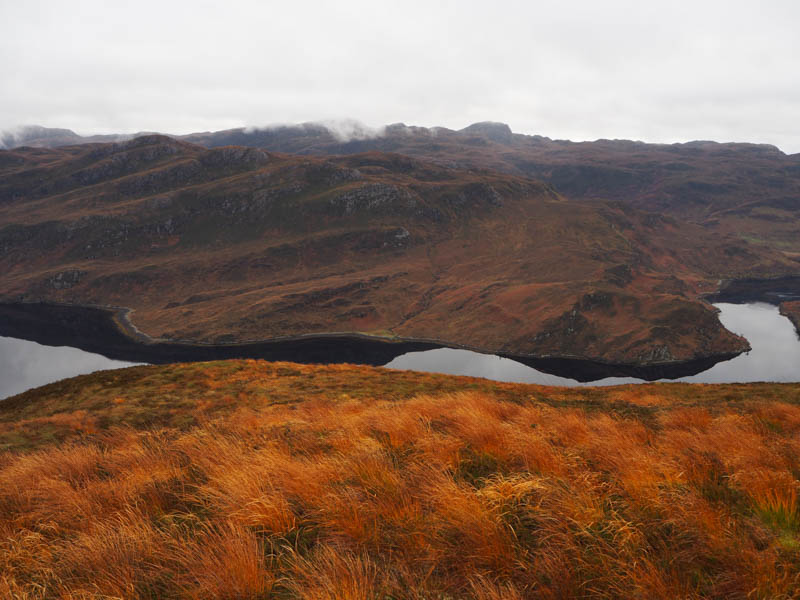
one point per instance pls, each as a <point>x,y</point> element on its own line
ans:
<point>248,479</point>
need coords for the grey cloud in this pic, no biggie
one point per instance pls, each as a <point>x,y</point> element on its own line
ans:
<point>659,71</point>
<point>343,130</point>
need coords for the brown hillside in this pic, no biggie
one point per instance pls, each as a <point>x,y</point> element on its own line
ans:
<point>751,191</point>
<point>234,243</point>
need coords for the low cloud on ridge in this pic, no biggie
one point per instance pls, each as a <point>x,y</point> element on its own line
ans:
<point>343,130</point>
<point>661,71</point>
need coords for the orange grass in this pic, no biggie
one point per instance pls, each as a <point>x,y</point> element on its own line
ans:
<point>351,482</point>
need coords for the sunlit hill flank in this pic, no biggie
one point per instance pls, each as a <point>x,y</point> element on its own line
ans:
<point>247,479</point>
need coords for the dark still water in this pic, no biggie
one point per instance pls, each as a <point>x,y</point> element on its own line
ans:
<point>775,357</point>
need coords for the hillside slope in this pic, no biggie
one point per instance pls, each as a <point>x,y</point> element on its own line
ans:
<point>749,190</point>
<point>234,244</point>
<point>247,479</point>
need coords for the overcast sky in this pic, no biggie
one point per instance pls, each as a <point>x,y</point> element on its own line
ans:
<point>658,71</point>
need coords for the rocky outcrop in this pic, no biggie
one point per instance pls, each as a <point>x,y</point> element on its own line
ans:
<point>66,279</point>
<point>373,197</point>
<point>493,131</point>
<point>474,195</point>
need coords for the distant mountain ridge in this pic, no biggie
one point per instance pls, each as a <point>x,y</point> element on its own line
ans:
<point>748,190</point>
<point>50,137</point>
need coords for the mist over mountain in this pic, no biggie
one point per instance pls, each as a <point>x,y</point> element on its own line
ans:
<point>50,137</point>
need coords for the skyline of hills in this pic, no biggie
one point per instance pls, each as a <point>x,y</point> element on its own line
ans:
<point>339,130</point>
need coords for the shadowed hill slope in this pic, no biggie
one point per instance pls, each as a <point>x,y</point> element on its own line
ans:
<point>234,243</point>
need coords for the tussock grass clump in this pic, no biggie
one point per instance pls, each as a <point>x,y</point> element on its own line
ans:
<point>349,482</point>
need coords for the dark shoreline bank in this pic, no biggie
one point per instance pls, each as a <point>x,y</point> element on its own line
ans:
<point>793,317</point>
<point>108,331</point>
<point>772,291</point>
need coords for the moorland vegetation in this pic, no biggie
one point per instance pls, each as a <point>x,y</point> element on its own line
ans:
<point>248,479</point>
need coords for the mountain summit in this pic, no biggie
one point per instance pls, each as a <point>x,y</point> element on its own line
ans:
<point>496,132</point>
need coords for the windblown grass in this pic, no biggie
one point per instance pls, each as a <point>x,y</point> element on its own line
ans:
<point>254,480</point>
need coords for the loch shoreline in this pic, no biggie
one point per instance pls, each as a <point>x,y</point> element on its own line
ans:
<point>776,291</point>
<point>108,330</point>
